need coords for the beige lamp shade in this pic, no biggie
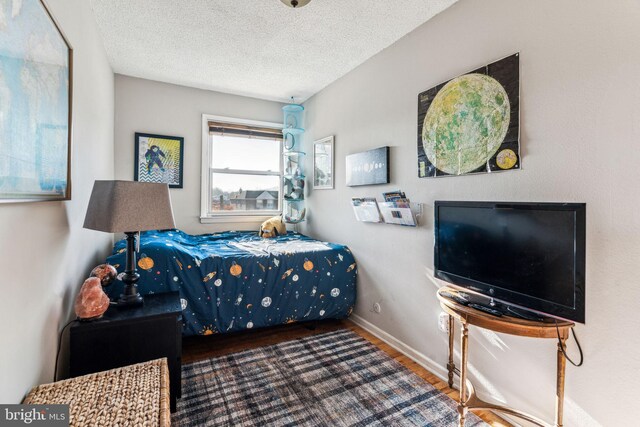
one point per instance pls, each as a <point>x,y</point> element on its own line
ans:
<point>129,206</point>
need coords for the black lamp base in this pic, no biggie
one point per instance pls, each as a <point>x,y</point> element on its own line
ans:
<point>130,296</point>
<point>130,300</point>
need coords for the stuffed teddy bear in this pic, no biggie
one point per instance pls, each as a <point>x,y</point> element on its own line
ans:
<point>273,227</point>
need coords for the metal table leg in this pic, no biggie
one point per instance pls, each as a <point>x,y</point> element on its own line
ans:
<point>451,367</point>
<point>560,381</point>
<point>464,344</point>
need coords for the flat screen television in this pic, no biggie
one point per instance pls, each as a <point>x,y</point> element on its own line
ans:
<point>530,255</point>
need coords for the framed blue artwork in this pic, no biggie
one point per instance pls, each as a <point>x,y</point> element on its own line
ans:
<point>368,168</point>
<point>36,63</point>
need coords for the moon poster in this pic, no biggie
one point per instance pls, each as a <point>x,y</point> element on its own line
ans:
<point>471,124</point>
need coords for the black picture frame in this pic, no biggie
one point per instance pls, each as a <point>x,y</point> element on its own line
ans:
<point>507,156</point>
<point>153,167</point>
<point>368,167</point>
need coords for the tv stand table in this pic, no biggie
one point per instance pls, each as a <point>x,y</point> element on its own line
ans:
<point>507,325</point>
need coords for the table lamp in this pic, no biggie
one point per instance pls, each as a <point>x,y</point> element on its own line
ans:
<point>129,207</point>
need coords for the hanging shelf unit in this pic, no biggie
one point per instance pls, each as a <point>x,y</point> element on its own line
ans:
<point>294,209</point>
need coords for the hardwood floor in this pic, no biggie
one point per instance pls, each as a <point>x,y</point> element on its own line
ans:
<point>200,348</point>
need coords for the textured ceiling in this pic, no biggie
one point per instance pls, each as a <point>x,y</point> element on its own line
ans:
<point>258,48</point>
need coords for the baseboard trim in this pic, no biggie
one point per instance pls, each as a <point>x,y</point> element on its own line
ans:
<point>421,359</point>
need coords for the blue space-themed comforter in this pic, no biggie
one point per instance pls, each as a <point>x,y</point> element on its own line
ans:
<point>236,280</point>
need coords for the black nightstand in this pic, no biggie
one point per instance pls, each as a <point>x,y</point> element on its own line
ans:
<point>124,336</point>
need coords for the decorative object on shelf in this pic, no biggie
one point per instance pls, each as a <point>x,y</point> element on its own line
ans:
<point>91,302</point>
<point>368,168</point>
<point>37,66</point>
<point>289,141</point>
<point>159,159</point>
<point>106,273</point>
<point>295,3</point>
<point>471,123</point>
<point>129,207</point>
<point>273,227</point>
<point>323,164</point>
<point>295,212</point>
<point>293,179</point>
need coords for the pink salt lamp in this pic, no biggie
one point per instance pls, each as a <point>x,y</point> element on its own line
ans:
<point>91,302</point>
<point>106,273</point>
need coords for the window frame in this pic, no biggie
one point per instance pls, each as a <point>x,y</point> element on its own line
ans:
<point>206,171</point>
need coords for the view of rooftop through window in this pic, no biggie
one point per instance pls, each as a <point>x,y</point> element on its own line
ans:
<point>245,173</point>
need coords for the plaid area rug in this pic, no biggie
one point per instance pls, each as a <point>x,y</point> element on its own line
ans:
<point>333,379</point>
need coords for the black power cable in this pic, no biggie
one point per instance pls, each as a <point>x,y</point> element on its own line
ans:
<point>564,353</point>
<point>55,372</point>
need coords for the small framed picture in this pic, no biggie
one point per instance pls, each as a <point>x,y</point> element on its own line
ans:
<point>323,164</point>
<point>159,158</point>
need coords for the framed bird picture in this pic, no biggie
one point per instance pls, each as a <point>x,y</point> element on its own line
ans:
<point>159,158</point>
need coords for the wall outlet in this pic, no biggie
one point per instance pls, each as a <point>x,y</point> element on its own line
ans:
<point>377,308</point>
<point>443,322</point>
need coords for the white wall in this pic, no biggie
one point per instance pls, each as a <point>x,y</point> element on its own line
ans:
<point>166,109</point>
<point>45,253</point>
<point>580,127</point>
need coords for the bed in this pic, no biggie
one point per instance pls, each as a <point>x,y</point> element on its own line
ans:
<point>234,281</point>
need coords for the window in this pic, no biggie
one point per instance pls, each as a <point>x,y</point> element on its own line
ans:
<point>241,169</point>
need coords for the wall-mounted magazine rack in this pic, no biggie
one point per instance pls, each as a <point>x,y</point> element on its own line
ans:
<point>404,213</point>
<point>366,209</point>
<point>399,213</point>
